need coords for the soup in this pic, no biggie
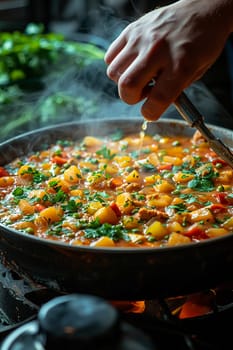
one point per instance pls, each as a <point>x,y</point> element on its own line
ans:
<point>120,191</point>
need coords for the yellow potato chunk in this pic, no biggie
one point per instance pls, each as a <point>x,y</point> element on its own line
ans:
<point>133,177</point>
<point>52,214</point>
<point>6,181</point>
<point>172,160</point>
<point>162,200</point>
<point>93,207</point>
<point>157,230</point>
<point>106,215</point>
<point>125,203</point>
<point>25,171</point>
<point>25,207</point>
<point>175,227</point>
<point>72,174</point>
<point>177,239</point>
<point>203,214</point>
<point>228,224</point>
<point>90,141</point>
<point>163,186</point>
<point>130,222</point>
<point>59,184</point>
<point>216,232</point>
<point>181,177</point>
<point>103,242</point>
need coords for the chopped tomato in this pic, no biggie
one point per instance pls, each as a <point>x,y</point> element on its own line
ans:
<point>219,161</point>
<point>116,209</point>
<point>162,167</point>
<point>39,207</point>
<point>3,172</point>
<point>195,232</point>
<point>222,197</point>
<point>217,208</point>
<point>115,182</point>
<point>59,160</point>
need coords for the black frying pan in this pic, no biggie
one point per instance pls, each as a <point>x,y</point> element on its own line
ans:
<point>109,272</point>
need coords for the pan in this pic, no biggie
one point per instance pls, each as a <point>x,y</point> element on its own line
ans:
<point>114,273</point>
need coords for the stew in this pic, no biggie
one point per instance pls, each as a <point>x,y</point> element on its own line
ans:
<point>135,190</point>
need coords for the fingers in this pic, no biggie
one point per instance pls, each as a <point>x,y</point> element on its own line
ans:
<point>120,63</point>
<point>115,48</point>
<point>161,95</point>
<point>133,83</point>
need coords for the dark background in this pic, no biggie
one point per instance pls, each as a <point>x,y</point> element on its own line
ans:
<point>102,21</point>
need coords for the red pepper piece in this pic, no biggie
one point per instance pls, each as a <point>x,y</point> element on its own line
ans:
<point>217,208</point>
<point>222,197</point>
<point>162,167</point>
<point>39,207</point>
<point>59,160</point>
<point>116,209</point>
<point>219,161</point>
<point>195,232</point>
<point>3,172</point>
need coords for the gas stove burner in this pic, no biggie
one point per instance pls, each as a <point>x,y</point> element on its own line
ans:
<point>200,321</point>
<point>78,321</point>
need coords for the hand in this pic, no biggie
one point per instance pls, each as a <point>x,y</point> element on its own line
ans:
<point>175,45</point>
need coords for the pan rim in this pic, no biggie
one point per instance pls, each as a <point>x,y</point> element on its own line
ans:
<point>115,250</point>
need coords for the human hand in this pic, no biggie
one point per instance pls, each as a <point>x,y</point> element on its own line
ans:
<point>175,45</point>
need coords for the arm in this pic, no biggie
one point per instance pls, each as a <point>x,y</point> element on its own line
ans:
<point>175,44</point>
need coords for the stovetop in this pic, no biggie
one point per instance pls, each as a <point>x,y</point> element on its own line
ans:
<point>21,300</point>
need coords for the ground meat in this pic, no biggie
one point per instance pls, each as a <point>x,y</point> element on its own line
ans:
<point>147,214</point>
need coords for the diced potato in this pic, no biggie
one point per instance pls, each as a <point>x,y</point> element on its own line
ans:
<point>57,183</point>
<point>175,227</point>
<point>25,171</point>
<point>181,177</point>
<point>176,151</point>
<point>72,174</point>
<point>216,232</point>
<point>225,177</point>
<point>110,168</point>
<point>133,177</point>
<point>25,207</point>
<point>123,161</point>
<point>203,214</point>
<point>87,165</point>
<point>163,186</point>
<point>125,203</point>
<point>162,200</point>
<point>93,207</point>
<point>90,141</point>
<point>164,140</point>
<point>228,224</point>
<point>103,242</point>
<point>136,238</point>
<point>151,179</point>
<point>95,178</point>
<point>177,239</point>
<point>6,181</point>
<point>153,159</point>
<point>157,230</point>
<point>52,214</point>
<point>106,215</point>
<point>172,160</point>
<point>130,222</point>
<point>40,194</point>
<point>25,225</point>
<point>177,200</point>
<point>76,193</point>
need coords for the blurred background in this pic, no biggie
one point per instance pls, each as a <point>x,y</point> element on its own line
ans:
<point>72,82</point>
